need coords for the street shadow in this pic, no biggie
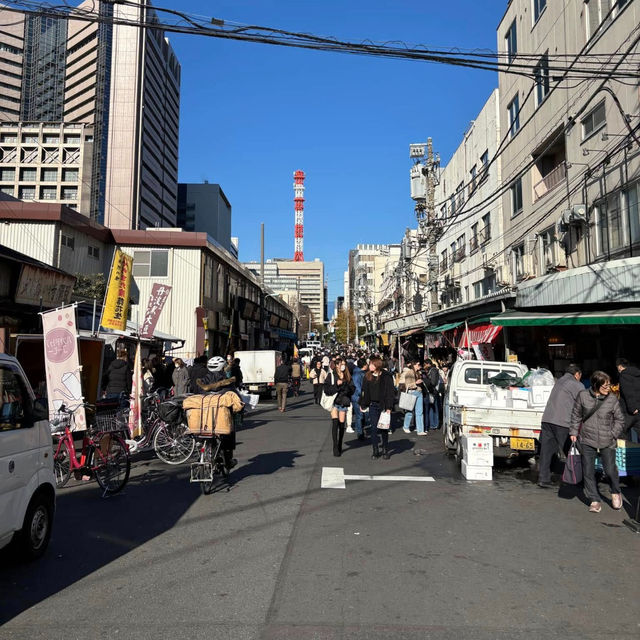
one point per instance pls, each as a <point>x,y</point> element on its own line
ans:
<point>90,532</point>
<point>265,464</point>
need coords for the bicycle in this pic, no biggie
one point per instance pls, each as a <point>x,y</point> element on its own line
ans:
<point>210,463</point>
<point>104,454</point>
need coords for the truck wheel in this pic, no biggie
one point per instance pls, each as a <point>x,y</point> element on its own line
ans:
<point>34,536</point>
<point>449,439</point>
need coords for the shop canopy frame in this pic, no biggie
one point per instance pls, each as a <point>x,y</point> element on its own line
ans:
<point>629,316</point>
<point>444,327</point>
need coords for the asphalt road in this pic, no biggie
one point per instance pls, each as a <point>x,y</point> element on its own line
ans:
<point>277,556</point>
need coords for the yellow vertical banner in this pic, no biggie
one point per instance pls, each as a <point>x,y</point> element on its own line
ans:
<point>116,304</point>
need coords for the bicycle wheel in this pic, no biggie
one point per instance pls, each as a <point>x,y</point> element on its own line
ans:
<point>207,457</point>
<point>61,464</point>
<point>173,443</point>
<point>111,463</point>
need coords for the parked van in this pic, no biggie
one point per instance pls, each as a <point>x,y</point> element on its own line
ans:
<point>27,481</point>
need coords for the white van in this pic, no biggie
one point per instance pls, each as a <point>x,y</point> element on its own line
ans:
<point>27,481</point>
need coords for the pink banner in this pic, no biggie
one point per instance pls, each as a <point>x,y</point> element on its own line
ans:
<point>135,406</point>
<point>158,297</point>
<point>62,364</point>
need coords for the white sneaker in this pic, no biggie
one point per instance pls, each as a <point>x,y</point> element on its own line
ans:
<point>350,430</point>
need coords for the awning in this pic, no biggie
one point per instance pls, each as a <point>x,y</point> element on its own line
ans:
<point>443,327</point>
<point>569,318</point>
<point>411,332</point>
<point>480,334</point>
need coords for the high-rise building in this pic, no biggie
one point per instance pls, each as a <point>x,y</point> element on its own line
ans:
<point>123,81</point>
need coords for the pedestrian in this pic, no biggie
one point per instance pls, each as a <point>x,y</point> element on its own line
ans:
<point>431,379</point>
<point>117,378</point>
<point>378,397</point>
<point>197,371</point>
<point>236,372</point>
<point>180,378</point>
<point>147,376</point>
<point>356,412</point>
<point>413,384</point>
<point>596,424</point>
<point>281,379</point>
<point>556,420</point>
<point>340,384</point>
<point>314,376</point>
<point>629,377</point>
<point>296,374</point>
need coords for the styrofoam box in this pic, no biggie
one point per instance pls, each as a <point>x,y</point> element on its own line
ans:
<point>540,394</point>
<point>472,472</point>
<point>518,403</point>
<point>520,394</point>
<point>477,451</point>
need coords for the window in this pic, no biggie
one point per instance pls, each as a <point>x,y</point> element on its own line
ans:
<point>548,250</point>
<point>29,138</point>
<point>7,191</point>
<point>50,139</point>
<point>473,241</point>
<point>518,262</point>
<point>69,175</point>
<point>15,403</point>
<point>49,175</point>
<point>595,11</point>
<point>94,252</point>
<point>67,241</point>
<point>452,200</point>
<point>151,263</point>
<point>484,161</point>
<point>511,41</point>
<point>610,225</point>
<point>7,175</point>
<point>460,248</point>
<point>69,193</point>
<point>7,138</point>
<point>514,116</point>
<point>48,193</point>
<point>27,193</point>
<point>516,197</point>
<point>460,195</point>
<point>594,121</point>
<point>631,200</point>
<point>71,139</point>
<point>538,7</point>
<point>443,260</point>
<point>27,175</point>
<point>542,79</point>
<point>473,176</point>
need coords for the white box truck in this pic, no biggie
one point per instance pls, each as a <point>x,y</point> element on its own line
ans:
<point>473,406</point>
<point>258,369</point>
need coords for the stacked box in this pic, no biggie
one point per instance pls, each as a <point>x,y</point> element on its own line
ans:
<point>627,459</point>
<point>477,457</point>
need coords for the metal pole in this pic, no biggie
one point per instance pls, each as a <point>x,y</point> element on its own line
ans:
<point>262,253</point>
<point>348,312</point>
<point>93,318</point>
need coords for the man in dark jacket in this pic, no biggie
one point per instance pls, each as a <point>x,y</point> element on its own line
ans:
<point>431,379</point>
<point>281,379</point>
<point>117,379</point>
<point>629,394</point>
<point>197,370</point>
<point>556,420</point>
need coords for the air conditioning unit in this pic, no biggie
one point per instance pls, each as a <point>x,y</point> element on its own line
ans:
<point>502,276</point>
<point>528,268</point>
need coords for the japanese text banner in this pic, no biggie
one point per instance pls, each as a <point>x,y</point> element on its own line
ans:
<point>159,295</point>
<point>116,306</point>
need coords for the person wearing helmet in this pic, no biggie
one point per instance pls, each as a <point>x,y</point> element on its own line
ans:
<point>215,372</point>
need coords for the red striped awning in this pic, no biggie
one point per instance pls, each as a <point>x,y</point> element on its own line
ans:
<point>480,334</point>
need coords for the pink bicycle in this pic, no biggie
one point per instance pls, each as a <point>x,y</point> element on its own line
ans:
<point>104,454</point>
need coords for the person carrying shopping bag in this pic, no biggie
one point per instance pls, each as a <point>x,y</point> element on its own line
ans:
<point>596,424</point>
<point>378,396</point>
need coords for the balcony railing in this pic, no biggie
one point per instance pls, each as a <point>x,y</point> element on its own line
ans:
<point>550,181</point>
<point>460,254</point>
<point>473,243</point>
<point>443,265</point>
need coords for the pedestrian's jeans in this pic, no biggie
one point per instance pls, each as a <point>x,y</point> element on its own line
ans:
<point>608,457</point>
<point>374,416</point>
<point>418,410</point>
<point>281,394</point>
<point>357,417</point>
<point>553,439</point>
<point>432,417</point>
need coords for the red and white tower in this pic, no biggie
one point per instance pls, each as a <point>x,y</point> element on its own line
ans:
<point>298,199</point>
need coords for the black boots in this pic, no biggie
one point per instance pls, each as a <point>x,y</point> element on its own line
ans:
<point>337,434</point>
<point>385,442</point>
<point>376,452</point>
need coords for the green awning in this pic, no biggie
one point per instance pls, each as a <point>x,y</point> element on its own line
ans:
<point>573,318</point>
<point>443,327</point>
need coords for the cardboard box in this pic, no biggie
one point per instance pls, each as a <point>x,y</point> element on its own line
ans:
<point>471,472</point>
<point>477,451</point>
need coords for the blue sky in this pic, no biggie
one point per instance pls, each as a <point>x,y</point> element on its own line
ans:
<point>252,114</point>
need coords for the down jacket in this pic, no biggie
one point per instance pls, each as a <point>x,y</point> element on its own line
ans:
<point>560,405</point>
<point>630,389</point>
<point>601,429</point>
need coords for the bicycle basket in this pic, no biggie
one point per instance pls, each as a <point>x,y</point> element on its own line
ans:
<point>59,421</point>
<point>170,412</point>
<point>111,421</point>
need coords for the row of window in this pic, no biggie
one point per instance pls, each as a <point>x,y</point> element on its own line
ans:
<point>45,193</point>
<point>476,178</point>
<point>70,243</point>
<point>8,174</point>
<point>47,138</point>
<point>31,155</point>
<point>480,235</point>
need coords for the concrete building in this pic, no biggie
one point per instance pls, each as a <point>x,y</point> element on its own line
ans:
<point>571,167</point>
<point>47,162</point>
<point>306,277</point>
<point>205,208</point>
<point>11,65</point>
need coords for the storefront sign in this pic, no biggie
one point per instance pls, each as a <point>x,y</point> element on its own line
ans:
<point>62,364</point>
<point>159,295</point>
<point>41,286</point>
<point>116,306</point>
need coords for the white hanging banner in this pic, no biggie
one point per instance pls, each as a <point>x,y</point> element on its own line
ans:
<point>62,363</point>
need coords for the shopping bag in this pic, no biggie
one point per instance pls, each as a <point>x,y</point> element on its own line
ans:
<point>572,473</point>
<point>407,401</point>
<point>385,420</point>
<point>326,402</point>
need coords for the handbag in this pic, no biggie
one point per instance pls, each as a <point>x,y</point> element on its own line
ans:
<point>572,473</point>
<point>326,402</point>
<point>384,422</point>
<point>407,401</point>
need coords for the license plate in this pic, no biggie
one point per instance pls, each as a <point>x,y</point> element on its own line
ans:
<point>253,387</point>
<point>523,444</point>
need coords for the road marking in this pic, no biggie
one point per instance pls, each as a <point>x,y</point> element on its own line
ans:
<point>335,478</point>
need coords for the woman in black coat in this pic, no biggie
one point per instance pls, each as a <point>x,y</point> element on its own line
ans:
<point>338,382</point>
<point>378,396</point>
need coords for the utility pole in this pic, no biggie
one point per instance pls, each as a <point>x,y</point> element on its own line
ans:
<point>348,312</point>
<point>262,253</point>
